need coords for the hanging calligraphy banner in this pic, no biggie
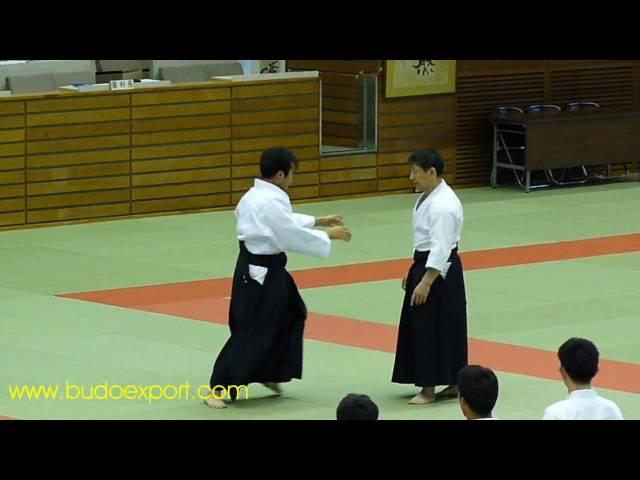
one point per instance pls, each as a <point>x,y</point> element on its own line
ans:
<point>406,78</point>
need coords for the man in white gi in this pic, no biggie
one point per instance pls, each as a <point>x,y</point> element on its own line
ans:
<point>432,337</point>
<point>267,314</point>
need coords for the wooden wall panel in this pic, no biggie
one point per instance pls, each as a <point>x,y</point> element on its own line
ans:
<point>77,157</point>
<point>12,163</point>
<point>340,97</point>
<point>180,160</point>
<point>348,174</point>
<point>407,124</point>
<point>290,119</point>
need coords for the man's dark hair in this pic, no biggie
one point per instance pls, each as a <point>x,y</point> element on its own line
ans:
<point>426,159</point>
<point>579,358</point>
<point>479,387</point>
<point>277,159</point>
<point>357,407</point>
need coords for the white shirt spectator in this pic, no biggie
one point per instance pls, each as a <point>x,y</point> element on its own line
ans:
<point>583,404</point>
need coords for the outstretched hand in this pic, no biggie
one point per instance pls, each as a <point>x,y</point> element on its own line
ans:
<point>339,233</point>
<point>330,221</point>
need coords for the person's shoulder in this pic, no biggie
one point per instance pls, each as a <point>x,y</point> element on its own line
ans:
<point>270,203</point>
<point>555,409</point>
<point>448,197</point>
<point>449,204</point>
<point>243,199</point>
<point>265,194</point>
<point>611,406</point>
<point>454,196</point>
<point>252,199</point>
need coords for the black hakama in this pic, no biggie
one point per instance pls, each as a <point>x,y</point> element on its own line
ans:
<point>266,323</point>
<point>432,337</point>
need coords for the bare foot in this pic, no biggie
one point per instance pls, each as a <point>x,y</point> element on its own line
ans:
<point>422,399</point>
<point>449,393</point>
<point>215,403</point>
<point>274,387</point>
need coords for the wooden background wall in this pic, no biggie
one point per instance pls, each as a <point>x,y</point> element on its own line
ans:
<point>456,124</point>
<point>72,157</point>
<point>66,157</point>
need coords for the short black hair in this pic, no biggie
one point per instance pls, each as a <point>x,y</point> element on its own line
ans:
<point>357,407</point>
<point>579,358</point>
<point>275,159</point>
<point>427,158</point>
<point>479,387</point>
